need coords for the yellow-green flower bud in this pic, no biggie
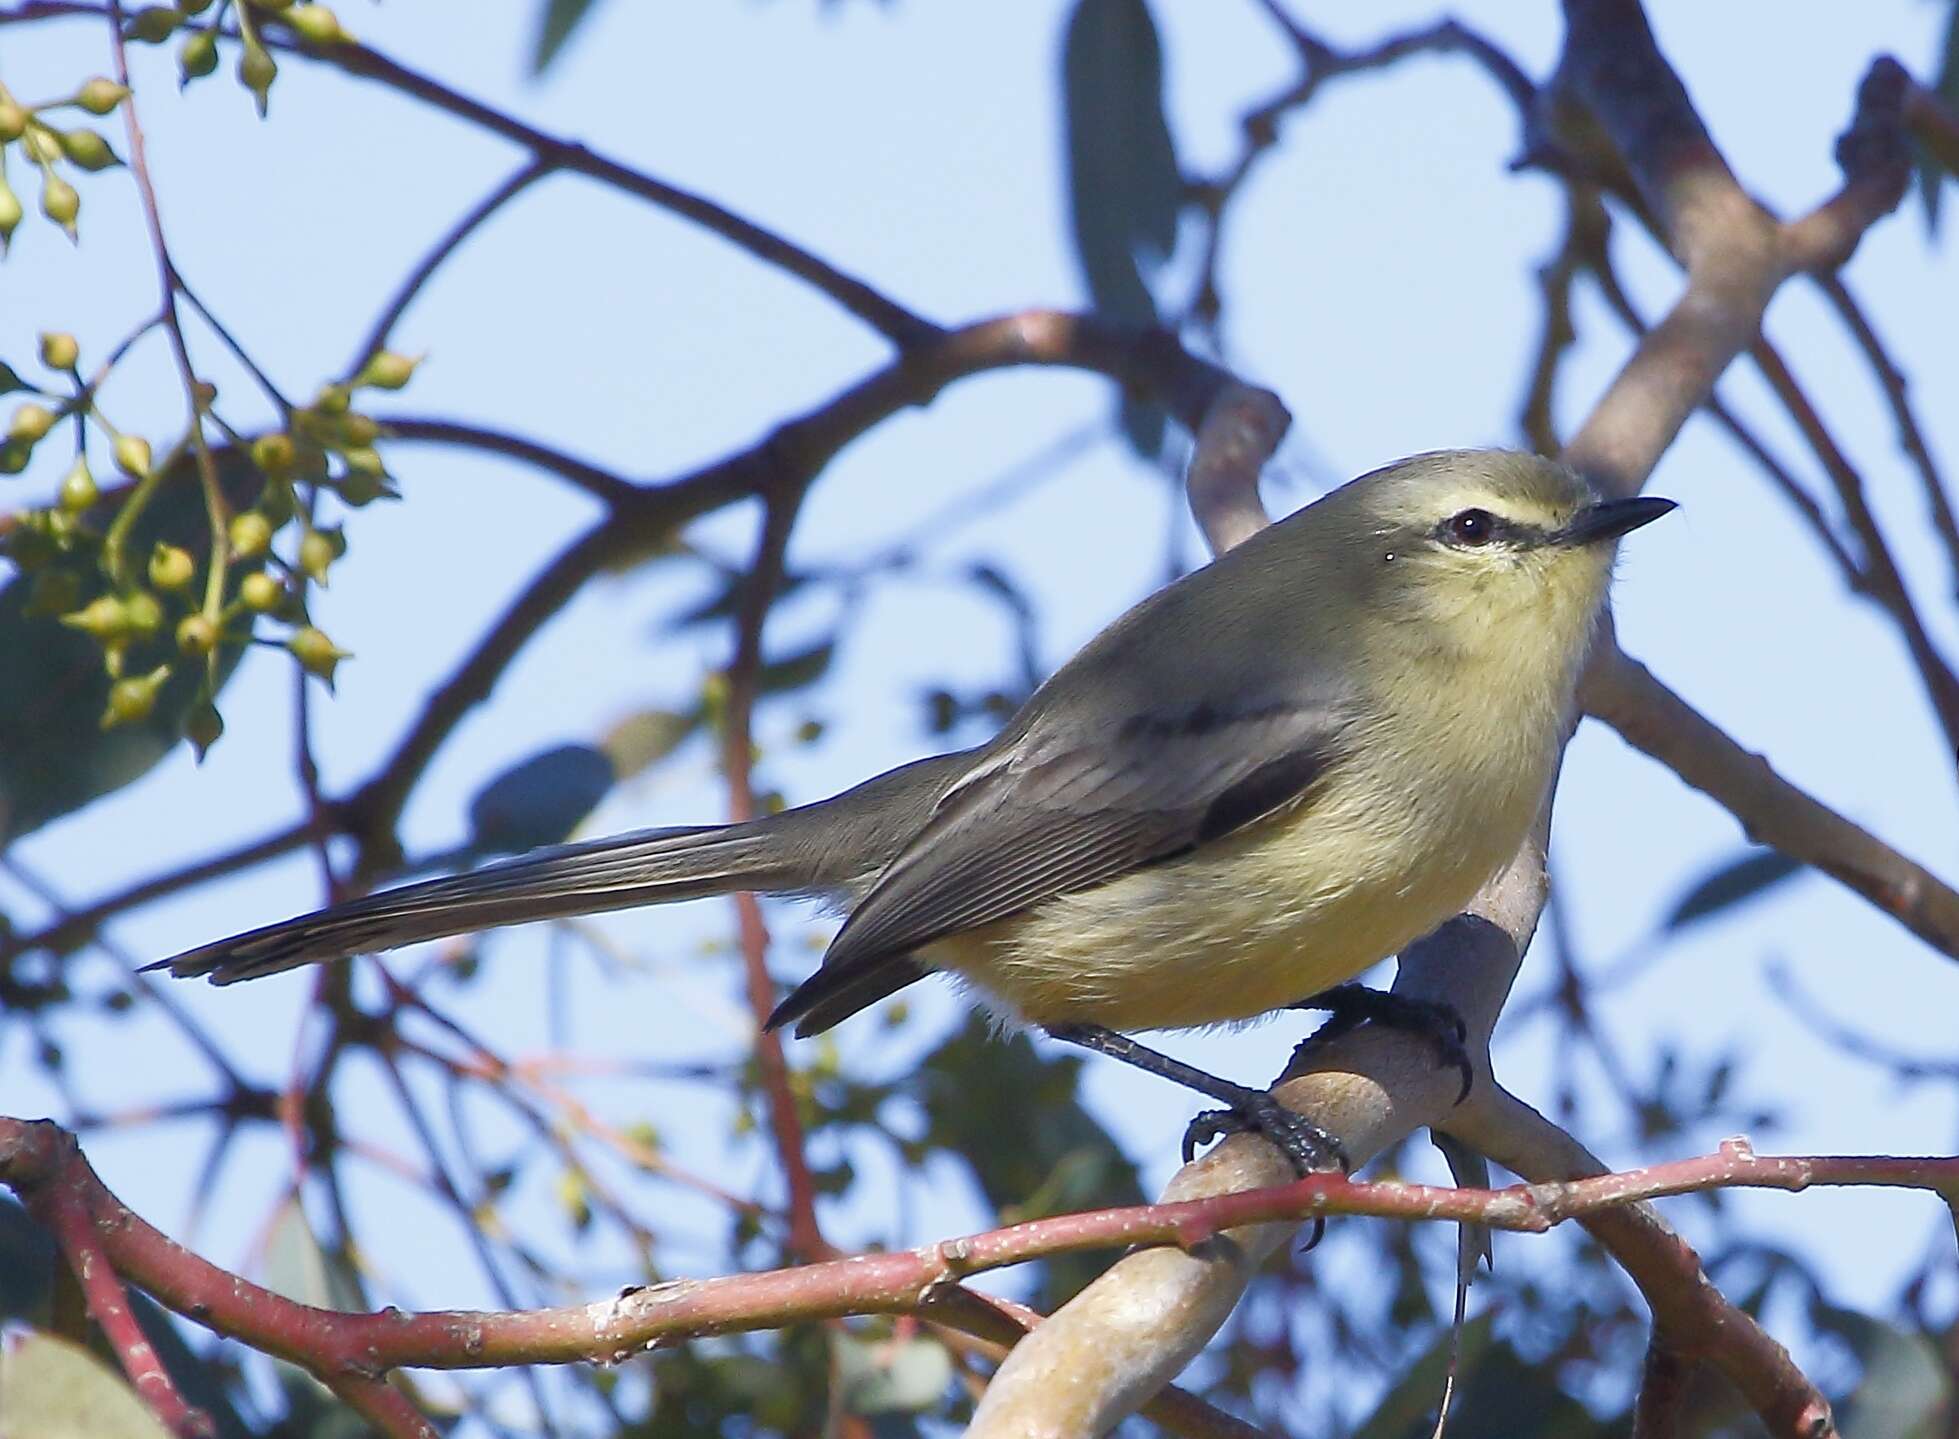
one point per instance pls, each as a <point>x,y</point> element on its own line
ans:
<point>273,5</point>
<point>316,654</point>
<point>196,636</point>
<point>261,593</point>
<point>59,350</point>
<point>144,613</point>
<point>60,202</point>
<point>318,24</point>
<point>203,728</point>
<point>133,455</point>
<point>250,535</point>
<point>171,567</point>
<point>43,146</point>
<point>273,454</point>
<point>132,700</point>
<point>78,490</point>
<point>154,24</point>
<point>30,423</point>
<point>358,429</point>
<point>194,7</point>
<point>13,121</point>
<point>104,617</point>
<point>332,400</point>
<point>89,150</point>
<point>256,72</point>
<point>387,370</point>
<point>197,57</point>
<point>364,460</point>
<point>358,488</point>
<point>318,551</point>
<point>10,213</point>
<point>276,502</point>
<point>100,95</point>
<point>13,456</point>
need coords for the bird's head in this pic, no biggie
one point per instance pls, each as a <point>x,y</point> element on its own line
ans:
<point>1484,546</point>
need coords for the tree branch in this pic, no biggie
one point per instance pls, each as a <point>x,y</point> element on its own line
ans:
<point>1140,1322</point>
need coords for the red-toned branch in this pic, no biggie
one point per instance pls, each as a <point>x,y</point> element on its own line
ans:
<point>1663,1382</point>
<point>737,758</point>
<point>108,1303</point>
<point>43,1164</point>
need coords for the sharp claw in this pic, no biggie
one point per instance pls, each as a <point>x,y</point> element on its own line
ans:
<point>1303,1142</point>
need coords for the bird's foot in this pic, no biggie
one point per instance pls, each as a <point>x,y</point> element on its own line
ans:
<point>1310,1148</point>
<point>1351,1005</point>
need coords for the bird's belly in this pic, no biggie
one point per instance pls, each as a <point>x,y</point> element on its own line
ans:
<point>1246,925</point>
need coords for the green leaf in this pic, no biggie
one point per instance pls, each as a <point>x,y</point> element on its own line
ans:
<point>298,1268</point>
<point>51,1389</point>
<point>54,755</point>
<point>560,18</point>
<point>539,800</point>
<point>1498,1395</point>
<point>1906,1386</point>
<point>1124,185</point>
<point>27,1267</point>
<point>890,1375</point>
<point>1738,880</point>
<point>647,737</point>
<point>27,1258</point>
<point>10,379</point>
<point>794,671</point>
<point>1931,174</point>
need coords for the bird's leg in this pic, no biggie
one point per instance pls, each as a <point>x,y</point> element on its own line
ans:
<point>1308,1146</point>
<point>1351,1005</point>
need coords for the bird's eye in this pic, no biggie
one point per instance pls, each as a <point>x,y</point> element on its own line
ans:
<point>1472,527</point>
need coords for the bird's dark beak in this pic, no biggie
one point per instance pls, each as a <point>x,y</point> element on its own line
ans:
<point>1609,519</point>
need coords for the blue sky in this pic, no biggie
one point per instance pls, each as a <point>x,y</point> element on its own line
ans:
<point>1380,276</point>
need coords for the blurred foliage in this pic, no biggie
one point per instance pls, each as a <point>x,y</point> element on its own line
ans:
<point>1125,190</point>
<point>1934,168</point>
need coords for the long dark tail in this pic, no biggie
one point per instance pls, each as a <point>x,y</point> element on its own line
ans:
<point>837,846</point>
<point>653,866</point>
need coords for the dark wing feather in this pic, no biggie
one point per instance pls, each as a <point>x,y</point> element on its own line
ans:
<point>1036,820</point>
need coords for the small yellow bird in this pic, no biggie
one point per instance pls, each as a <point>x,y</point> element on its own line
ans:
<point>1254,785</point>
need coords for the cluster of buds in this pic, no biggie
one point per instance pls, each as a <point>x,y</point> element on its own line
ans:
<point>171,612</point>
<point>197,52</point>
<point>48,146</point>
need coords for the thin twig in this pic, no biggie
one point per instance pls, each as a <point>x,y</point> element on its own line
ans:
<point>108,1304</point>
<point>519,180</point>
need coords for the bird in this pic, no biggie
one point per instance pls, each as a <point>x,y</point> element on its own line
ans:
<point>1260,781</point>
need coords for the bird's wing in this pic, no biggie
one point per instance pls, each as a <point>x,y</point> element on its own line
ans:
<point>1041,818</point>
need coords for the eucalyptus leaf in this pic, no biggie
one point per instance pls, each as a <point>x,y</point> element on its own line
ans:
<point>52,1389</point>
<point>889,1376</point>
<point>1932,175</point>
<point>555,27</point>
<point>539,800</point>
<point>1740,879</point>
<point>1125,188</point>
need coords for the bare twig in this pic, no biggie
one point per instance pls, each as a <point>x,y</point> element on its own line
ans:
<point>378,334</point>
<point>1623,692</point>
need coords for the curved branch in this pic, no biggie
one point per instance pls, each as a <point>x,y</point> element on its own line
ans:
<point>519,180</point>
